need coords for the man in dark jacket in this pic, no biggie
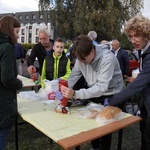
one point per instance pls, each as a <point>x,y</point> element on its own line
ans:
<point>138,31</point>
<point>40,50</point>
<point>122,57</point>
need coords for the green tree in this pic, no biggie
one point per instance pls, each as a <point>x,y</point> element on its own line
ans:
<point>106,17</point>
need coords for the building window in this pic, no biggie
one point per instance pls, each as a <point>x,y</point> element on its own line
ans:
<point>33,17</point>
<point>30,30</point>
<point>27,17</point>
<point>20,18</point>
<point>23,32</point>
<point>37,39</point>
<point>41,17</point>
<point>37,31</point>
<point>22,39</point>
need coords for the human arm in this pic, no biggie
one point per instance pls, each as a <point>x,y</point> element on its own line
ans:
<point>31,59</point>
<point>138,85</point>
<point>33,55</point>
<point>106,79</point>
<point>8,71</point>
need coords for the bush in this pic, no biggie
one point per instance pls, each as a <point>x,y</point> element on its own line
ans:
<point>27,46</point>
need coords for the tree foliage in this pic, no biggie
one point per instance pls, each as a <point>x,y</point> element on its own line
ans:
<point>73,17</point>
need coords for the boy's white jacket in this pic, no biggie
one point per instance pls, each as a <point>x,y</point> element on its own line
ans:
<point>103,74</point>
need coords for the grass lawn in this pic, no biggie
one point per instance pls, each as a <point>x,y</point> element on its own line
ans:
<point>32,139</point>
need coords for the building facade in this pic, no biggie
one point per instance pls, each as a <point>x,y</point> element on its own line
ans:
<point>31,23</point>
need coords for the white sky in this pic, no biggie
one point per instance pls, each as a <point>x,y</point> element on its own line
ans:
<point>12,6</point>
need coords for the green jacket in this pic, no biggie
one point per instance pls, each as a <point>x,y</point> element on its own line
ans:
<point>55,67</point>
<point>8,82</point>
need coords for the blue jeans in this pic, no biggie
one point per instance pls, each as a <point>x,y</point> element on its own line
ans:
<point>4,134</point>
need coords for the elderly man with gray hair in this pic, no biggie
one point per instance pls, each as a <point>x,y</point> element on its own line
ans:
<point>40,50</point>
<point>93,35</point>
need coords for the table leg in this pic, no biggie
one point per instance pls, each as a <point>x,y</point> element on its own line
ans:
<point>120,139</point>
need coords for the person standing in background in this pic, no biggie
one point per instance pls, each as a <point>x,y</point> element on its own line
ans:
<point>138,31</point>
<point>56,65</point>
<point>122,56</point>
<point>9,29</point>
<point>20,56</point>
<point>40,50</point>
<point>93,35</point>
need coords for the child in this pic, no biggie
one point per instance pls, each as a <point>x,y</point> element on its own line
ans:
<point>56,65</point>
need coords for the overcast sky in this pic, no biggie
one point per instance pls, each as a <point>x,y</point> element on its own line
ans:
<point>12,6</point>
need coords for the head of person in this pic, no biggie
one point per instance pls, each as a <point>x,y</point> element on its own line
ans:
<point>83,49</point>
<point>92,35</point>
<point>138,31</point>
<point>44,37</point>
<point>115,44</point>
<point>58,47</point>
<point>10,27</point>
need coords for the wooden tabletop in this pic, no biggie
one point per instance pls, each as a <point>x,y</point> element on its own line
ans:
<point>76,140</point>
<point>67,130</point>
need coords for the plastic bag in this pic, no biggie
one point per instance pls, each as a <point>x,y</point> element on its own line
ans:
<point>89,112</point>
<point>135,72</point>
<point>50,88</point>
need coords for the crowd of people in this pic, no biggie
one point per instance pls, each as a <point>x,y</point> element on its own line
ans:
<point>100,66</point>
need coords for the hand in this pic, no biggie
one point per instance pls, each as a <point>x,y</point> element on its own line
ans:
<point>106,102</point>
<point>58,95</point>
<point>67,92</point>
<point>31,69</point>
<point>130,79</point>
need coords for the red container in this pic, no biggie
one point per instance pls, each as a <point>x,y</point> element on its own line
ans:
<point>64,100</point>
<point>34,76</point>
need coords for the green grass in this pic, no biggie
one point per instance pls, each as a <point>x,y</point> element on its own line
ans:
<point>32,139</point>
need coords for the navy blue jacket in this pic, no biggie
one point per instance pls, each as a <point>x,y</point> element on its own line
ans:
<point>140,84</point>
<point>123,59</point>
<point>19,51</point>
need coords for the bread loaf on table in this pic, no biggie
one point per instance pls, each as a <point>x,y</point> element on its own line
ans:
<point>109,112</point>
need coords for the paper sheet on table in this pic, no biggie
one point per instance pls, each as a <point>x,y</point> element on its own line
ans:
<point>27,82</point>
<point>54,125</point>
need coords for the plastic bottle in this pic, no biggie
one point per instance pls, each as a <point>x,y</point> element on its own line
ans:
<point>64,100</point>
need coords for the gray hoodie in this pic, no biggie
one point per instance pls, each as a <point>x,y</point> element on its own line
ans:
<point>103,74</point>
